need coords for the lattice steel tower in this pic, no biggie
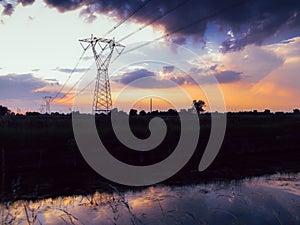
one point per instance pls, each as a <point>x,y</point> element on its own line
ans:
<point>103,50</point>
<point>47,100</point>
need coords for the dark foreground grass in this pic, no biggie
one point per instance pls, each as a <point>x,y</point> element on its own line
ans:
<point>39,156</point>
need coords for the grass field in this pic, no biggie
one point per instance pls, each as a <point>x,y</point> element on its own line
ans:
<point>39,155</point>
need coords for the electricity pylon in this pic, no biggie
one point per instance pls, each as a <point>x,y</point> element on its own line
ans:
<point>103,49</point>
<point>47,100</point>
<point>42,108</point>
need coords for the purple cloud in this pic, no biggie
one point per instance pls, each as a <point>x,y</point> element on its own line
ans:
<point>168,69</point>
<point>152,80</point>
<point>129,77</point>
<point>182,79</point>
<point>23,86</point>
<point>214,67</point>
<point>203,76</point>
<point>228,76</point>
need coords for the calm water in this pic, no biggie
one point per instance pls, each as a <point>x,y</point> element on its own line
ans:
<point>263,200</point>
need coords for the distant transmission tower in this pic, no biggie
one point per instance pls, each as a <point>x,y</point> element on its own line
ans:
<point>103,49</point>
<point>47,100</point>
<point>42,108</point>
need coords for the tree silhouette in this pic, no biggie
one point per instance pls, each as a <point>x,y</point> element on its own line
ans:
<point>198,105</point>
<point>3,110</point>
<point>296,111</point>
<point>142,113</point>
<point>133,112</point>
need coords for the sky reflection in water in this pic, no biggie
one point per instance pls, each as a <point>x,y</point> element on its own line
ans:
<point>264,200</point>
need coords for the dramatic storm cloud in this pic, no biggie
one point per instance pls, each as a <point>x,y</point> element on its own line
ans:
<point>250,21</point>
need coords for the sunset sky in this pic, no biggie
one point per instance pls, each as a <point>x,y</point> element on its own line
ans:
<point>252,48</point>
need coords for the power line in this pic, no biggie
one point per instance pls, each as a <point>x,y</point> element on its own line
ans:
<point>220,11</point>
<point>70,89</point>
<point>69,77</point>
<point>62,100</point>
<point>78,93</point>
<point>127,17</point>
<point>154,20</point>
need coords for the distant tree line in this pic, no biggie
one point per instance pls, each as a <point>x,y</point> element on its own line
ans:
<point>197,107</point>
